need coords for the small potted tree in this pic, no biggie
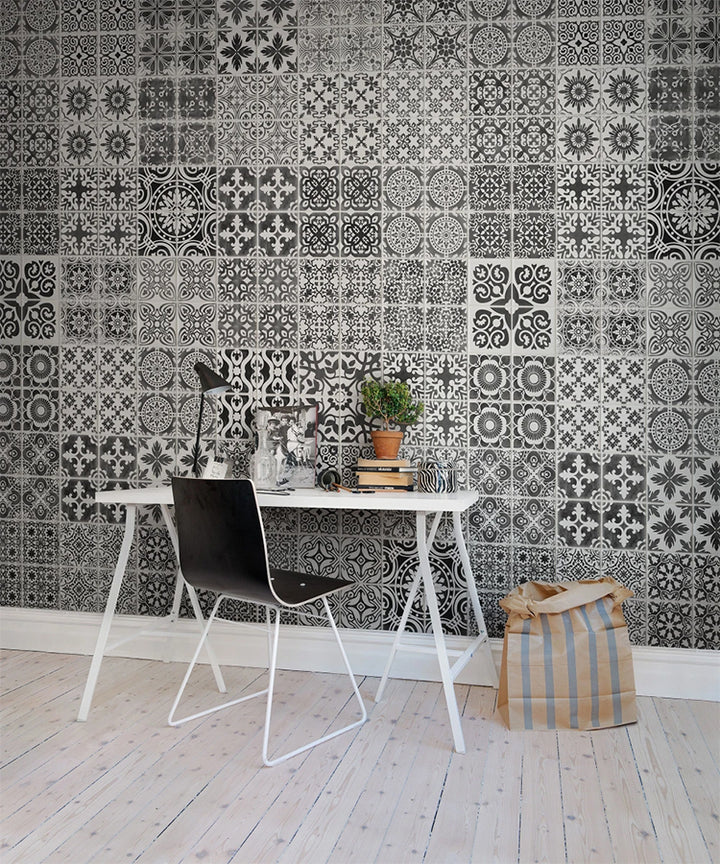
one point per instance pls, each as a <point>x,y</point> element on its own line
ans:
<point>391,402</point>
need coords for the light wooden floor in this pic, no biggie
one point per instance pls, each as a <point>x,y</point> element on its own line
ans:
<point>126,787</point>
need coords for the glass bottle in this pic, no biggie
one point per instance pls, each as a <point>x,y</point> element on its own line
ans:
<point>264,466</point>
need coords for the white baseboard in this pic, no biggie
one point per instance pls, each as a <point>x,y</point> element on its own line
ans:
<point>301,647</point>
<point>677,673</point>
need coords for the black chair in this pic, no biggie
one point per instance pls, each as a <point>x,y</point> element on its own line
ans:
<point>222,549</point>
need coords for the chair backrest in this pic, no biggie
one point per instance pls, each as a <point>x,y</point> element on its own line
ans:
<point>221,537</point>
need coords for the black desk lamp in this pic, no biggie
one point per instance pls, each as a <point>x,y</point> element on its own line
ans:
<point>212,384</point>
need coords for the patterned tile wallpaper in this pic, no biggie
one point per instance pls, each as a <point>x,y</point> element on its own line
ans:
<point>513,203</point>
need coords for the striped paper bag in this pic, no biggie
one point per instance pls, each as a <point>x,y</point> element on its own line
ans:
<point>567,661</point>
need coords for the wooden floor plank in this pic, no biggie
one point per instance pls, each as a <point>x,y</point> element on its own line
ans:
<point>408,834</point>
<point>707,717</point>
<point>672,813</point>
<point>52,739</point>
<point>41,798</point>
<point>696,766</point>
<point>193,754</point>
<point>361,840</point>
<point>631,830</point>
<point>586,832</point>
<point>330,813</point>
<point>307,790</point>
<point>52,803</point>
<point>36,835</point>
<point>21,703</point>
<point>30,712</point>
<point>291,792</point>
<point>241,790</point>
<point>299,779</point>
<point>540,837</point>
<point>453,830</point>
<point>125,786</point>
<point>18,668</point>
<point>497,830</point>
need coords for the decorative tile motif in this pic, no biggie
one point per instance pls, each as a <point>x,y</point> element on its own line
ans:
<point>624,518</point>
<point>533,473</point>
<point>668,625</point>
<point>490,521</point>
<point>629,568</point>
<point>684,210</point>
<point>28,310</point>
<point>175,211</point>
<point>579,483</point>
<point>533,522</point>
<point>490,472</point>
<point>510,306</point>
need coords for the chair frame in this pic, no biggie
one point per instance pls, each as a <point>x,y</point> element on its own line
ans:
<point>273,633</point>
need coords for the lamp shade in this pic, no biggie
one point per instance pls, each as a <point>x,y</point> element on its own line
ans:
<point>210,381</point>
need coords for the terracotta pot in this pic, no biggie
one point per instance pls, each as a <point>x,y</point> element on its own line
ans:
<point>386,444</point>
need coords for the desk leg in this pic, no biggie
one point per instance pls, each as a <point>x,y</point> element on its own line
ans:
<point>177,597</point>
<point>174,611</point>
<point>398,635</point>
<point>472,591</point>
<point>406,614</point>
<point>170,525</point>
<point>440,647</point>
<point>130,514</point>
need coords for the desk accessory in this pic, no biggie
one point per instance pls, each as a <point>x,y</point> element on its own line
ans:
<point>263,467</point>
<point>435,476</point>
<point>328,478</point>
<point>338,486</point>
<point>216,469</point>
<point>212,385</point>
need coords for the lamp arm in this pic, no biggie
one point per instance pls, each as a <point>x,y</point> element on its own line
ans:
<point>196,450</point>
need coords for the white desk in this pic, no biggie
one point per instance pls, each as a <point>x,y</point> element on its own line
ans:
<point>422,504</point>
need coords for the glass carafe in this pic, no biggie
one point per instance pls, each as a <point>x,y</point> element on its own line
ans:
<point>263,466</point>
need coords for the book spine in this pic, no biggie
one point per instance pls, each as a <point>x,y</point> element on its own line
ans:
<point>385,479</point>
<point>383,463</point>
<point>380,488</point>
<point>387,469</point>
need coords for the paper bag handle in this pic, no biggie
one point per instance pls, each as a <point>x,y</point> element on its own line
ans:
<point>576,594</point>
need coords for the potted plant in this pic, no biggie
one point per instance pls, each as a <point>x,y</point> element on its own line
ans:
<point>393,403</point>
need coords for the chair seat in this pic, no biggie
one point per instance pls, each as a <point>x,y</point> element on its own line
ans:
<point>295,588</point>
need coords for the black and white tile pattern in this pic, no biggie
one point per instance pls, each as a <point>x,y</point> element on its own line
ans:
<point>513,203</point>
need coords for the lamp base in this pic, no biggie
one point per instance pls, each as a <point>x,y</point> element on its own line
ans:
<point>196,448</point>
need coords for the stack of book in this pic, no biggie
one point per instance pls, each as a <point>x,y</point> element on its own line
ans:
<point>396,475</point>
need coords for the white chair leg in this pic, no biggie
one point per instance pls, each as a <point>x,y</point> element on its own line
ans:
<point>273,638</point>
<point>348,668</point>
<point>171,718</point>
<point>268,625</point>
<point>271,685</point>
<point>271,682</point>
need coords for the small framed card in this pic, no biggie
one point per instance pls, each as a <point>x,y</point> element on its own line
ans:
<point>216,470</point>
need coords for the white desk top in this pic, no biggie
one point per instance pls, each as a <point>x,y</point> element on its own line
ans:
<point>455,502</point>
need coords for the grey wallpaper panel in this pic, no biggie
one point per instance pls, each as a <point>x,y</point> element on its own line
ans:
<point>515,204</point>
